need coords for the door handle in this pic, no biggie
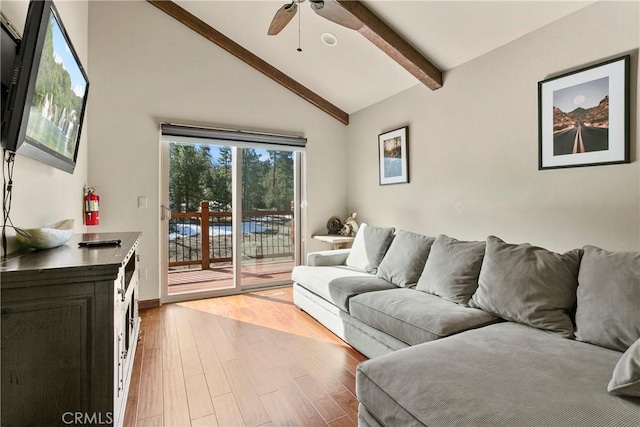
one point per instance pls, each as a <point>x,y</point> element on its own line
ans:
<point>165,213</point>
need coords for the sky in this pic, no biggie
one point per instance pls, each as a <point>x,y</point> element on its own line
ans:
<point>585,95</point>
<point>62,54</point>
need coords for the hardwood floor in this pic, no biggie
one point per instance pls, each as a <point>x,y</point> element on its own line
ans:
<point>246,360</point>
<point>221,277</point>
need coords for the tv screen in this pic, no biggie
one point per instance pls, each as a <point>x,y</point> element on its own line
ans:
<point>47,102</point>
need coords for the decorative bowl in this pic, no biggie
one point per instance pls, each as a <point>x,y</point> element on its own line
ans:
<point>47,237</point>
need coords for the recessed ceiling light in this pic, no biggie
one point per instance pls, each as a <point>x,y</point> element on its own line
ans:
<point>329,39</point>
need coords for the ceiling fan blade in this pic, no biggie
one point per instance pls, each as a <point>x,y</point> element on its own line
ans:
<point>282,18</point>
<point>336,13</point>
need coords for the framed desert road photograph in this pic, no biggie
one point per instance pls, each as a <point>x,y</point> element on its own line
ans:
<point>394,157</point>
<point>583,116</point>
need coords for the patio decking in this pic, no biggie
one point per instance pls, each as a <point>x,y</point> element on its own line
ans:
<point>197,280</point>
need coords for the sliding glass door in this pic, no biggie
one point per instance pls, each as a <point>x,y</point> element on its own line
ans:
<point>231,216</point>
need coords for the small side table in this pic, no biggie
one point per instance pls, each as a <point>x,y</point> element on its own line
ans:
<point>338,242</point>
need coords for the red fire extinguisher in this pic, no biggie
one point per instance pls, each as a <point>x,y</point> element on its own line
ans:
<point>91,207</point>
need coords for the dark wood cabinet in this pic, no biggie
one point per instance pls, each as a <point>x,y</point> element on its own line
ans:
<point>69,329</point>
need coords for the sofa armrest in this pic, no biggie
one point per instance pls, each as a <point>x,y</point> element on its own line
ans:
<point>334,257</point>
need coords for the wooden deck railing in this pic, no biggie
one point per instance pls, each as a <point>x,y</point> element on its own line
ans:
<point>265,234</point>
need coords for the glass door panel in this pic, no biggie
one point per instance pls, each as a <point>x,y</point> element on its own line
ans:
<point>200,237</point>
<point>268,231</point>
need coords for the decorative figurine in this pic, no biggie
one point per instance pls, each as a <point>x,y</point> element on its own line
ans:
<point>346,230</point>
<point>334,225</point>
<point>350,227</point>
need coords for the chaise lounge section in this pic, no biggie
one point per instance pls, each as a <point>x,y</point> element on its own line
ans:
<point>482,333</point>
<point>500,375</point>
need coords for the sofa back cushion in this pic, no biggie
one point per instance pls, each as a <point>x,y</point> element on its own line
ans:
<point>405,259</point>
<point>528,284</point>
<point>369,247</point>
<point>452,269</point>
<point>608,311</point>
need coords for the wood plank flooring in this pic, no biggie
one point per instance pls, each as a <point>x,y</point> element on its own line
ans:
<point>221,277</point>
<point>245,360</point>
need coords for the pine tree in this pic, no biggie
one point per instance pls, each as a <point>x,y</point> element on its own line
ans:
<point>188,171</point>
<point>278,182</point>
<point>253,171</point>
<point>220,189</point>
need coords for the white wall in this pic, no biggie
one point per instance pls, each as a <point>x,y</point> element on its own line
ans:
<point>41,194</point>
<point>147,69</point>
<point>474,147</point>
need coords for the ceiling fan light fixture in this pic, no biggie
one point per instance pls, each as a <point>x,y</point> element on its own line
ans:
<point>329,39</point>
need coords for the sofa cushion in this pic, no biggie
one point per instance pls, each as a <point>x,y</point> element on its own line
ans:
<point>505,374</point>
<point>405,259</point>
<point>528,284</point>
<point>452,269</point>
<point>608,311</point>
<point>415,317</point>
<point>368,341</point>
<point>369,247</point>
<point>365,419</point>
<point>337,284</point>
<point>626,375</point>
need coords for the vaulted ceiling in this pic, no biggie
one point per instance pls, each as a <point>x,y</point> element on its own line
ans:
<point>355,73</point>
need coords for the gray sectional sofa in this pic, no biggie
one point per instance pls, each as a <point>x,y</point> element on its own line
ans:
<point>481,333</point>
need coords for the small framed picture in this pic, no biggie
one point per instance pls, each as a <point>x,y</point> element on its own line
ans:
<point>583,116</point>
<point>393,154</point>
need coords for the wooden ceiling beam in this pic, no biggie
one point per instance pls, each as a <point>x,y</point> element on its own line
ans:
<point>391,43</point>
<point>216,37</point>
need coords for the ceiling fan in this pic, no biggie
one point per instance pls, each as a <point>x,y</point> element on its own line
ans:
<point>328,9</point>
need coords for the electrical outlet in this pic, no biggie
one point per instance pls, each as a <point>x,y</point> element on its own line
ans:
<point>143,274</point>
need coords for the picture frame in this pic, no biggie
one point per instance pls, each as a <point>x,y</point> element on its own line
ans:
<point>393,156</point>
<point>583,116</point>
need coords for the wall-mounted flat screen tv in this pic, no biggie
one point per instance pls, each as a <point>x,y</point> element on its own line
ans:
<point>48,93</point>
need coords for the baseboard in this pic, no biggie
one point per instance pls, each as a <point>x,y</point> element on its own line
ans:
<point>148,303</point>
